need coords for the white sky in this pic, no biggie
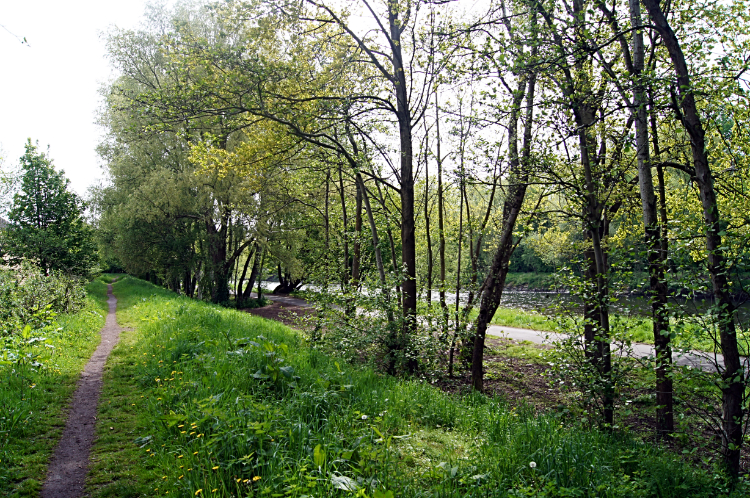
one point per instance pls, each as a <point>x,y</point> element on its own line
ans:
<point>49,89</point>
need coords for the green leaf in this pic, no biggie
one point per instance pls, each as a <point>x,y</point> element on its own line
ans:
<point>287,371</point>
<point>319,456</point>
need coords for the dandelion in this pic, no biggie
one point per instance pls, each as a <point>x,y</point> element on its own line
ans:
<point>532,465</point>
<point>215,468</point>
<point>256,478</point>
<point>195,453</point>
<point>198,492</point>
<point>214,490</point>
<point>364,417</point>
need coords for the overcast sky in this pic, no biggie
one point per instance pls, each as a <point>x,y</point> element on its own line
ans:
<point>49,89</point>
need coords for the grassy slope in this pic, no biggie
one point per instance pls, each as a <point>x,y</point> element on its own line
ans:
<point>31,418</point>
<point>202,401</point>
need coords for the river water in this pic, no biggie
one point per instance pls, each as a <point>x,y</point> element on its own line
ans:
<point>549,302</point>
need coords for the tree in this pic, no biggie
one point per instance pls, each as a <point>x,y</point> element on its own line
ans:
<point>45,223</point>
<point>688,114</point>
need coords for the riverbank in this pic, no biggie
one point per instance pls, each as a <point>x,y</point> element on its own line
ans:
<point>221,403</point>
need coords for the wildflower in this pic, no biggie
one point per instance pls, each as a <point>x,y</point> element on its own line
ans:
<point>215,468</point>
<point>532,465</point>
<point>256,478</point>
<point>198,492</point>
<point>364,417</point>
<point>195,453</point>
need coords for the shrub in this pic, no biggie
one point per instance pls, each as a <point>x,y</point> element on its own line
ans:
<point>30,298</point>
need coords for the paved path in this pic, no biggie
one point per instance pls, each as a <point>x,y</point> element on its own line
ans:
<point>67,470</point>
<point>695,359</point>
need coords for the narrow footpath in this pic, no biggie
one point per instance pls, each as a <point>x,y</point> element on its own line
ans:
<point>696,359</point>
<point>67,471</point>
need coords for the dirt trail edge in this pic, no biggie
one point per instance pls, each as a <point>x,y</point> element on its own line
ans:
<point>67,470</point>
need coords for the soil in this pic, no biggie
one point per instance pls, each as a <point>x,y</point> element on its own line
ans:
<point>66,474</point>
<point>288,314</point>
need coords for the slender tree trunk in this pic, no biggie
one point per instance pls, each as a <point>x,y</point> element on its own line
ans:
<point>658,298</point>
<point>357,244</point>
<point>733,376</point>
<point>342,195</point>
<point>427,230</point>
<point>240,292</point>
<point>494,283</point>
<point>458,275</point>
<point>253,273</point>
<point>408,242</point>
<point>373,232</point>
<point>441,224</point>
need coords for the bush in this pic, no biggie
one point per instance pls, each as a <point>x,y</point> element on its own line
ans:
<point>29,298</point>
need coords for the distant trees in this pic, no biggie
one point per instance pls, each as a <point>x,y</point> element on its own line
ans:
<point>45,222</point>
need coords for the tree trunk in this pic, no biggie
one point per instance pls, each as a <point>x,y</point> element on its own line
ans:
<point>357,244</point>
<point>441,225</point>
<point>733,376</point>
<point>217,246</point>
<point>658,288</point>
<point>259,253</point>
<point>241,295</point>
<point>408,242</point>
<point>494,283</point>
<point>428,295</point>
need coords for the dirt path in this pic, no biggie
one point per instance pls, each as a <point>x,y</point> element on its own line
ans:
<point>66,474</point>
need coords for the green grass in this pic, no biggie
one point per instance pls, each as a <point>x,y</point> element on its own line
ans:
<point>204,401</point>
<point>33,398</point>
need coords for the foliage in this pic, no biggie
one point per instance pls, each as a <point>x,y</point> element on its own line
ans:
<point>29,298</point>
<point>45,221</point>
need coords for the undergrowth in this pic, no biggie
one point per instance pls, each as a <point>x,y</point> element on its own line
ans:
<point>37,379</point>
<point>204,401</point>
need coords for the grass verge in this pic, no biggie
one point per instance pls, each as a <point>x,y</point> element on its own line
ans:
<point>34,393</point>
<point>203,401</point>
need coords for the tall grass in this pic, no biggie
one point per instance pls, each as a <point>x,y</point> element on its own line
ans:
<point>203,401</point>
